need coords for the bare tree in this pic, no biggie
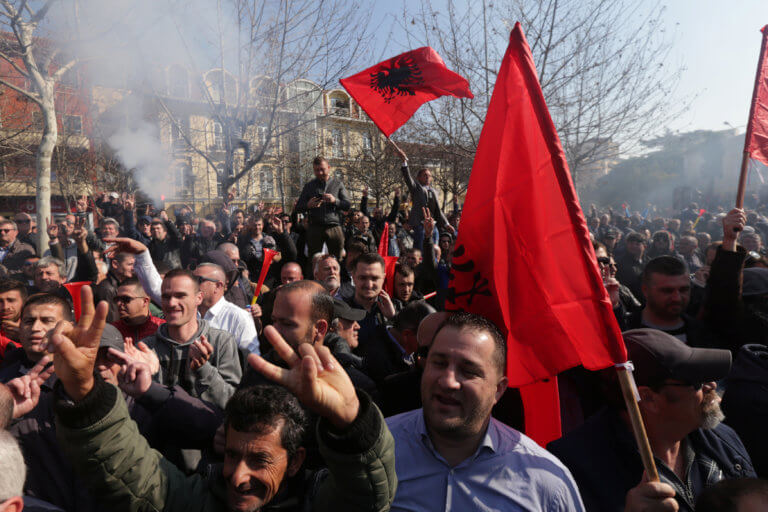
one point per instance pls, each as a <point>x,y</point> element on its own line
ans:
<point>375,166</point>
<point>268,90</point>
<point>41,65</point>
<point>602,64</point>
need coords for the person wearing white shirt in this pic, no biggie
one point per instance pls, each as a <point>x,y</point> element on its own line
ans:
<point>215,309</point>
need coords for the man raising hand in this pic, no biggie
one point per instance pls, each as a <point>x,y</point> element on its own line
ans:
<point>263,423</point>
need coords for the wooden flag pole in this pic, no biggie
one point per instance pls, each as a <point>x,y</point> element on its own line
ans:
<point>750,122</point>
<point>629,390</point>
<point>398,148</point>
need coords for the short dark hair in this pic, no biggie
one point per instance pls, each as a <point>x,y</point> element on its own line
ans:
<point>322,302</point>
<point>260,409</point>
<point>318,160</point>
<point>356,246</point>
<point>665,265</point>
<point>404,270</point>
<point>183,272</point>
<point>473,322</point>
<point>369,258</point>
<point>40,299</point>
<point>635,237</point>
<point>9,285</point>
<point>133,282</point>
<point>411,315</point>
<point>724,496</point>
<point>122,256</point>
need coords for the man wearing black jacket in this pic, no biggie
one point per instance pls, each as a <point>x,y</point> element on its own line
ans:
<point>323,199</point>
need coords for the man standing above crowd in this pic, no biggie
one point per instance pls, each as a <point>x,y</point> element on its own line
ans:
<point>166,242</point>
<point>422,196</point>
<point>630,264</point>
<point>323,199</point>
<point>451,456</point>
<point>13,251</point>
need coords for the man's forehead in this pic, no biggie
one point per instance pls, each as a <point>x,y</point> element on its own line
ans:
<point>369,268</point>
<point>658,279</point>
<point>471,344</point>
<point>11,294</point>
<point>37,310</point>
<point>178,283</point>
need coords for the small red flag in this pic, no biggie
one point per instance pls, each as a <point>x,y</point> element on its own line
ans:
<point>269,255</point>
<point>534,274</point>
<point>756,144</point>
<point>392,91</point>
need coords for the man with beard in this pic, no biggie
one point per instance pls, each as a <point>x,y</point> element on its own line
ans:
<point>450,455</point>
<point>327,272</point>
<point>12,297</point>
<point>681,412</point>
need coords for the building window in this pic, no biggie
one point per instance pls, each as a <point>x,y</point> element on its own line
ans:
<point>178,129</point>
<point>73,125</point>
<point>185,180</point>
<point>337,143</point>
<point>267,183</point>
<point>339,107</point>
<point>367,141</point>
<point>218,136</point>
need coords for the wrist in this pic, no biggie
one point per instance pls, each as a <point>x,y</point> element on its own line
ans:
<point>348,415</point>
<point>79,390</point>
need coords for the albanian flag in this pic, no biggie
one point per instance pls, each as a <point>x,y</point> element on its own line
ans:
<point>392,91</point>
<point>523,258</point>
<point>756,143</point>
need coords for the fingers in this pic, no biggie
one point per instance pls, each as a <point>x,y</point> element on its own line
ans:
<point>306,350</point>
<point>326,358</point>
<point>143,347</point>
<point>86,309</point>
<point>39,367</point>
<point>97,326</point>
<point>282,348</point>
<point>269,370</point>
<point>118,357</point>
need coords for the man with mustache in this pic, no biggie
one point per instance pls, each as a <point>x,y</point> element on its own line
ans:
<point>681,412</point>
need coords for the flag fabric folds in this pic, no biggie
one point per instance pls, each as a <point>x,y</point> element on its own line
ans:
<point>393,90</point>
<point>757,126</point>
<point>390,262</point>
<point>534,271</point>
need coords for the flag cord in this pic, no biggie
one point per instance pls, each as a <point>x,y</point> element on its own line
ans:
<point>629,390</point>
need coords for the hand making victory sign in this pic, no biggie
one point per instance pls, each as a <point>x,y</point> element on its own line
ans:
<point>314,376</point>
<point>74,346</point>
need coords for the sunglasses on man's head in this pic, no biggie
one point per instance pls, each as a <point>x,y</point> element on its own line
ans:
<point>201,280</point>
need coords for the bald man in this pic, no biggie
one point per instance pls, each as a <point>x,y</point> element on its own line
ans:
<point>220,313</point>
<point>291,272</point>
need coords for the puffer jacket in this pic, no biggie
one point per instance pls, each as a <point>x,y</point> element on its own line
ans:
<point>215,381</point>
<point>106,449</point>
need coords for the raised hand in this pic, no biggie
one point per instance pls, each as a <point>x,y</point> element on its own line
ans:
<point>733,222</point>
<point>26,389</point>
<point>314,376</point>
<point>129,202</point>
<point>135,378</point>
<point>277,224</point>
<point>81,204</point>
<point>164,216</point>
<point>52,229</point>
<point>137,353</point>
<point>74,347</point>
<point>128,245</point>
<point>428,222</point>
<point>386,305</point>
<point>199,353</point>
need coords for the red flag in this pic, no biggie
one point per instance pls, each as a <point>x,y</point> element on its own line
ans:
<point>756,142</point>
<point>74,292</point>
<point>534,274</point>
<point>269,254</point>
<point>392,91</point>
<point>384,241</point>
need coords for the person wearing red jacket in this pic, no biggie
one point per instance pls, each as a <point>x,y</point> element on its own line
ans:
<point>132,304</point>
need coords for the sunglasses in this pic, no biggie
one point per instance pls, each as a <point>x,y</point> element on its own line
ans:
<point>201,280</point>
<point>695,385</point>
<point>606,261</point>
<point>7,230</point>
<point>120,299</point>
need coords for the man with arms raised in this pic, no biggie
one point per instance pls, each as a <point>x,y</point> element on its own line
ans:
<point>264,432</point>
<point>451,455</point>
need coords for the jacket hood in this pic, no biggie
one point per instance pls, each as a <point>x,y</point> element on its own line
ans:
<point>751,364</point>
<point>162,333</point>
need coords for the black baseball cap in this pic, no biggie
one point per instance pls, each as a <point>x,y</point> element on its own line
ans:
<point>343,310</point>
<point>755,282</point>
<point>111,338</point>
<point>658,356</point>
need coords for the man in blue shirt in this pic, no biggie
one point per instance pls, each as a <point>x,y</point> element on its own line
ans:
<point>451,455</point>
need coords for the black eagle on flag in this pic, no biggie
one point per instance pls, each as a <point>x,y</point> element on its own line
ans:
<point>398,79</point>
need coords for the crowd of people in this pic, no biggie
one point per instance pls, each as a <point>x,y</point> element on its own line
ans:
<point>144,366</point>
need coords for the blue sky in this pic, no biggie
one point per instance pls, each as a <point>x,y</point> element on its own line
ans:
<point>717,41</point>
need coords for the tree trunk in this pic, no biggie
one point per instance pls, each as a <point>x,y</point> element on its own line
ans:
<point>43,164</point>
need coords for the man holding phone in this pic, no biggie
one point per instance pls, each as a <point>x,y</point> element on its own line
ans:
<point>323,199</point>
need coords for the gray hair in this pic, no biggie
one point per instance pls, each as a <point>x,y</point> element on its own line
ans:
<point>109,220</point>
<point>217,269</point>
<point>9,222</point>
<point>11,467</point>
<point>47,261</point>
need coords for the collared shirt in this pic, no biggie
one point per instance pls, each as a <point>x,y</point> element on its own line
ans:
<point>508,472</point>
<point>226,316</point>
<point>700,471</point>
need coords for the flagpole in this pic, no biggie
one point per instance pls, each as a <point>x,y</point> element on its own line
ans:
<point>750,122</point>
<point>396,147</point>
<point>629,390</point>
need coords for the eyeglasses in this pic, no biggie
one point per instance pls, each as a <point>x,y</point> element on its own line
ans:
<point>124,299</point>
<point>606,261</point>
<point>695,385</point>
<point>201,280</point>
<point>6,230</point>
